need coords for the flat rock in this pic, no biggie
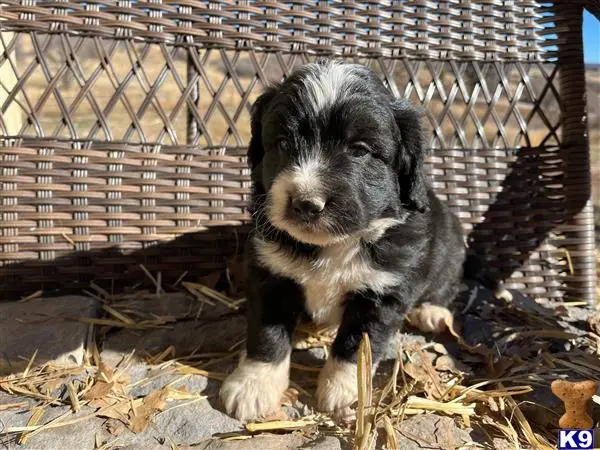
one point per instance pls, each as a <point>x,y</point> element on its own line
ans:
<point>183,423</point>
<point>80,435</point>
<point>6,400</point>
<point>203,336</point>
<point>431,432</point>
<point>45,325</point>
<point>195,421</point>
<point>177,304</point>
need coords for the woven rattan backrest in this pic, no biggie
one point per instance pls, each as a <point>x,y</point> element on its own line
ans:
<point>125,124</point>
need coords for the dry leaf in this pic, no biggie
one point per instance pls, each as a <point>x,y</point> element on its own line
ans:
<point>433,386</point>
<point>117,411</point>
<point>99,390</point>
<point>416,372</point>
<point>290,397</point>
<point>140,416</point>
<point>105,384</point>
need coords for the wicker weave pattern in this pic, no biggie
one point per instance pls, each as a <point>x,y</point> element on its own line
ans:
<point>482,29</point>
<point>134,117</point>
<point>84,89</point>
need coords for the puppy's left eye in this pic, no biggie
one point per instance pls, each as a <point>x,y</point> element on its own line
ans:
<point>282,146</point>
<point>359,149</point>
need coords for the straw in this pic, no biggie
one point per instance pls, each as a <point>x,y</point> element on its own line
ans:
<point>415,385</point>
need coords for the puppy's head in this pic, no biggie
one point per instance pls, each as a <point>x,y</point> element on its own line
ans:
<point>334,153</point>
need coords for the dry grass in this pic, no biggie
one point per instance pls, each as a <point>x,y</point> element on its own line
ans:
<point>421,380</point>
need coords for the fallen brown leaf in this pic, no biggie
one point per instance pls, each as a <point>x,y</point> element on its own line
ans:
<point>433,387</point>
<point>99,390</point>
<point>417,373</point>
<point>117,411</point>
<point>140,417</point>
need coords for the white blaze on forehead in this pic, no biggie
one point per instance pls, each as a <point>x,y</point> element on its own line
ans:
<point>328,83</point>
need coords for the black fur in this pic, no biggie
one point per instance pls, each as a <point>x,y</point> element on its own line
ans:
<point>426,251</point>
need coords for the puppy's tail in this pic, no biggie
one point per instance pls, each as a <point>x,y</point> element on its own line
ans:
<point>475,268</point>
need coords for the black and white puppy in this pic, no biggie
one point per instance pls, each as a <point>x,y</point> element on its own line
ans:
<point>347,230</point>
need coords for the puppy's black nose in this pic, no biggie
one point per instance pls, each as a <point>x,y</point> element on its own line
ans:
<point>308,209</point>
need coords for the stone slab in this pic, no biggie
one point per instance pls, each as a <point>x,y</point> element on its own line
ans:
<point>45,325</point>
<point>216,335</point>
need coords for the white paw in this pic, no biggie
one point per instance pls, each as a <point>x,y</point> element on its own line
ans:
<point>254,389</point>
<point>337,389</point>
<point>430,318</point>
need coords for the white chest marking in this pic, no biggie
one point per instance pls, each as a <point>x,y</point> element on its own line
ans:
<point>327,278</point>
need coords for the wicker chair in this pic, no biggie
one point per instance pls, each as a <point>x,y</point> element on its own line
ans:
<point>124,125</point>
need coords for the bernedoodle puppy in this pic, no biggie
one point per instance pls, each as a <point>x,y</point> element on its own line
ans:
<point>347,230</point>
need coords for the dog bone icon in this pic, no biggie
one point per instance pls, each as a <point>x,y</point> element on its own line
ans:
<point>577,399</point>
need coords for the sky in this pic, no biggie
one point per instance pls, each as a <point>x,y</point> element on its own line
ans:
<point>591,39</point>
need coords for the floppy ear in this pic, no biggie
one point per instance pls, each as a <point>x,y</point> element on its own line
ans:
<point>410,157</point>
<point>255,148</point>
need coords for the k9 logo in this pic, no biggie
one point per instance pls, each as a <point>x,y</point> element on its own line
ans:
<point>575,439</point>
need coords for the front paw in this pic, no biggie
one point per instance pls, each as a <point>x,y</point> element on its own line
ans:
<point>337,389</point>
<point>254,389</point>
<point>431,318</point>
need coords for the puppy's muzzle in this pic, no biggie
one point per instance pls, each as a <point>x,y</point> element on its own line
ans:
<point>307,210</point>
